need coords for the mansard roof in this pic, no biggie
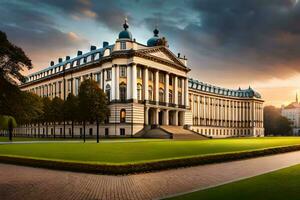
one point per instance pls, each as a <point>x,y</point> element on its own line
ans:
<point>97,54</point>
<point>200,86</point>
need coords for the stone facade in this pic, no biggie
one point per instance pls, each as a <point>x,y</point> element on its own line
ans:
<point>147,86</point>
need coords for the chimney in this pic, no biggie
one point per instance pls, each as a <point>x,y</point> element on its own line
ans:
<point>67,57</point>
<point>105,44</point>
<point>60,60</point>
<point>51,63</point>
<point>93,48</point>
<point>178,55</point>
<point>79,53</point>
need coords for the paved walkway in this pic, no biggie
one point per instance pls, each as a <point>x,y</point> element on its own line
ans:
<point>17,182</point>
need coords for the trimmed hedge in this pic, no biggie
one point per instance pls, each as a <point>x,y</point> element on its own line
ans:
<point>144,167</point>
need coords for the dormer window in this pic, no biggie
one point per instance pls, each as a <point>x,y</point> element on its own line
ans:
<point>122,45</point>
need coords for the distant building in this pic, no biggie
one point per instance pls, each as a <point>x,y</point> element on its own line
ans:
<point>292,112</point>
<point>148,87</point>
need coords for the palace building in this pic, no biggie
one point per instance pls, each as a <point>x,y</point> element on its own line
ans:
<point>150,93</point>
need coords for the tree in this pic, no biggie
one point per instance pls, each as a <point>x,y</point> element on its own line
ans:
<point>12,60</point>
<point>274,123</point>
<point>32,110</point>
<point>10,98</point>
<point>56,111</point>
<point>92,104</point>
<point>46,117</point>
<point>71,110</point>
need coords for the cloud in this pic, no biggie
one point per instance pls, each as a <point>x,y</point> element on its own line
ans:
<point>108,13</point>
<point>252,38</point>
<point>37,34</point>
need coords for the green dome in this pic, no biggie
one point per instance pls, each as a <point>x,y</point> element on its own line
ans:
<point>125,34</point>
<point>154,40</point>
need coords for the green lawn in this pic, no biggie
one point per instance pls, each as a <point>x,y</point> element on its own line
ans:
<point>118,152</point>
<point>278,185</point>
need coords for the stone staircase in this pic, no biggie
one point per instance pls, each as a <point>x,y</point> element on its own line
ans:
<point>178,132</point>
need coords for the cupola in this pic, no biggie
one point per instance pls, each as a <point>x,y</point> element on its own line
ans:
<point>125,34</point>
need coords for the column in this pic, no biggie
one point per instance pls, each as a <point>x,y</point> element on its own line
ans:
<point>145,84</point>
<point>192,108</point>
<point>61,89</point>
<point>134,82</point>
<point>129,79</point>
<point>101,80</point>
<point>157,116</point>
<point>198,109</point>
<point>182,92</point>
<point>146,116</point>
<point>167,88</point>
<point>156,86</point>
<point>113,83</point>
<point>175,90</point>
<point>176,118</point>
<point>166,117</point>
<point>73,86</point>
<point>117,82</point>
<point>186,92</point>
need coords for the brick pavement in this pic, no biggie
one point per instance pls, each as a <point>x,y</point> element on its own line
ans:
<point>18,182</point>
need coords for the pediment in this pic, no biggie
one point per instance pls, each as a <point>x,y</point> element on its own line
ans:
<point>164,54</point>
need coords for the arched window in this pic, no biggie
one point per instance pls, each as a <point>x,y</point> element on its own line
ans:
<point>123,89</point>
<point>150,93</point>
<point>122,116</point>
<point>161,95</point>
<point>170,96</point>
<point>139,91</point>
<point>107,91</point>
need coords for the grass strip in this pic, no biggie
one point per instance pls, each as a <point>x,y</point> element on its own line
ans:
<point>143,167</point>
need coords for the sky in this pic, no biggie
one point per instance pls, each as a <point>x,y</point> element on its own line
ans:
<point>228,43</point>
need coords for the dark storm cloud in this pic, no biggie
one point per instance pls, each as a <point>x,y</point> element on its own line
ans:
<point>109,13</point>
<point>36,32</point>
<point>246,35</point>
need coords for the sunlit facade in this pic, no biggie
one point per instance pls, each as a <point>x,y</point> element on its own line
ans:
<point>147,86</point>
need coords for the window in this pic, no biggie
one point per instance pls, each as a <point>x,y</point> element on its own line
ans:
<point>150,93</point>
<point>161,78</point>
<point>123,71</point>
<point>139,91</point>
<point>69,86</point>
<point>122,116</point>
<point>59,88</point>
<point>91,131</point>
<point>161,95</point>
<point>170,96</point>
<point>123,90</point>
<point>122,131</point>
<point>179,83</point>
<point>139,72</point>
<point>97,78</point>
<point>170,81</point>
<point>150,76</point>
<point>77,82</point>
<point>108,74</point>
<point>107,91</point>
<point>122,45</point>
<point>179,98</point>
